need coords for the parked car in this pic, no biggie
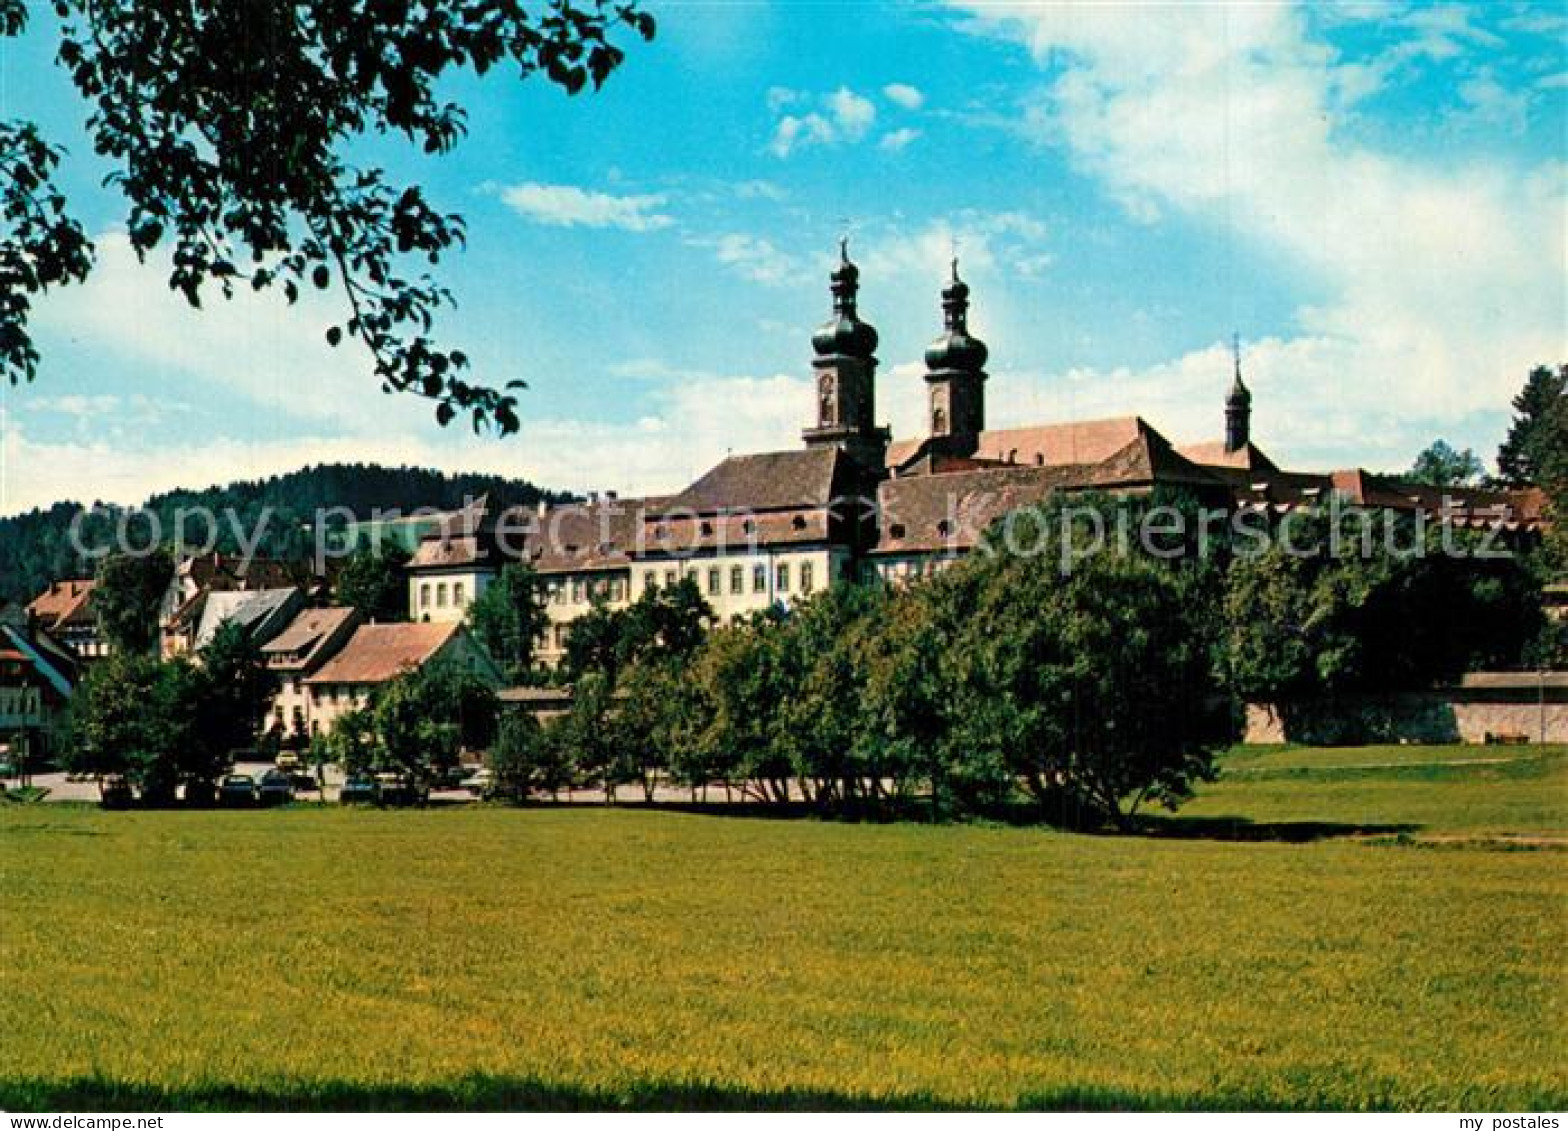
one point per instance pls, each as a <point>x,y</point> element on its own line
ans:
<point>237,790</point>
<point>114,792</point>
<point>451,777</point>
<point>299,774</point>
<point>200,793</point>
<point>275,788</point>
<point>359,789</point>
<point>481,783</point>
<point>400,789</point>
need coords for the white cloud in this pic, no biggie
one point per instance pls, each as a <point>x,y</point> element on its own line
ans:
<point>255,344</point>
<point>1488,104</point>
<point>985,242</point>
<point>1446,31</point>
<point>792,133</point>
<point>780,97</point>
<point>842,118</point>
<point>852,113</point>
<point>753,257</point>
<point>902,94</point>
<point>759,190</point>
<point>567,206</point>
<point>694,424</point>
<point>1436,291</point>
<point>898,140</point>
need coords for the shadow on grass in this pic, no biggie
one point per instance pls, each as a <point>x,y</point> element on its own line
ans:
<point>508,1093</point>
<point>1021,815</point>
<point>1240,829</point>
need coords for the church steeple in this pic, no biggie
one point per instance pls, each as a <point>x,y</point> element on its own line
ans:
<point>1238,405</point>
<point>845,365</point>
<point>955,375</point>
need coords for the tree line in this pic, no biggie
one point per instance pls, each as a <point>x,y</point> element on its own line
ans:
<point>1003,681</point>
<point>36,546</point>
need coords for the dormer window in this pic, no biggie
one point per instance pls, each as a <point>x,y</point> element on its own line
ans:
<point>944,528</point>
<point>896,530</point>
<point>798,522</point>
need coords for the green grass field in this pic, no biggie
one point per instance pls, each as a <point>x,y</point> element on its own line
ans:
<point>555,958</point>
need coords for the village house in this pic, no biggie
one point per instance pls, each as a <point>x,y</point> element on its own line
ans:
<point>38,677</point>
<point>766,529</point>
<point>312,638</point>
<point>196,577</point>
<point>378,653</point>
<point>263,613</point>
<point>65,612</point>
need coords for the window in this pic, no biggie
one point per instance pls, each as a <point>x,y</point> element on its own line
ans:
<point>424,595</point>
<point>457,594</point>
<point>650,580</point>
<point>737,579</point>
<point>783,577</point>
<point>441,596</point>
<point>805,577</point>
<point>669,577</point>
<point>579,591</point>
<point>713,582</point>
<point>691,574</point>
<point>558,592</point>
<point>560,636</point>
<point>759,579</point>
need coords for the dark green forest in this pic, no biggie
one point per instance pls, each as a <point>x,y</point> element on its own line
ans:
<point>36,547</point>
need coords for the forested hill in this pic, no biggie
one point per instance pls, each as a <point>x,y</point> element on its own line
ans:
<point>35,547</point>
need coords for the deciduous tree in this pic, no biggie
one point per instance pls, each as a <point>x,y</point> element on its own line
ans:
<point>372,581</point>
<point>126,599</point>
<point>1440,465</point>
<point>229,128</point>
<point>510,618</point>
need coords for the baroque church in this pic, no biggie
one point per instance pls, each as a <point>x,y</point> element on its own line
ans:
<point>770,528</point>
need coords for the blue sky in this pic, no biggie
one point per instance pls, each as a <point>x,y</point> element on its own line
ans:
<point>1372,195</point>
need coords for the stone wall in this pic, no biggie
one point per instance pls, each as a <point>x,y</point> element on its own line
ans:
<point>1461,714</point>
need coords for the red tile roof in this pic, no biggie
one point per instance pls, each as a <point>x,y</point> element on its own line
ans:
<point>1213,453</point>
<point>306,635</point>
<point>379,652</point>
<point>808,477</point>
<point>64,602</point>
<point>949,512</point>
<point>1044,445</point>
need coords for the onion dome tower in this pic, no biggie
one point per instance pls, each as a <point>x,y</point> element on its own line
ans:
<point>845,368</point>
<point>955,375</point>
<point>1238,407</point>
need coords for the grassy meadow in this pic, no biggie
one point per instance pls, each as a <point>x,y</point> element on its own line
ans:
<point>1367,928</point>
